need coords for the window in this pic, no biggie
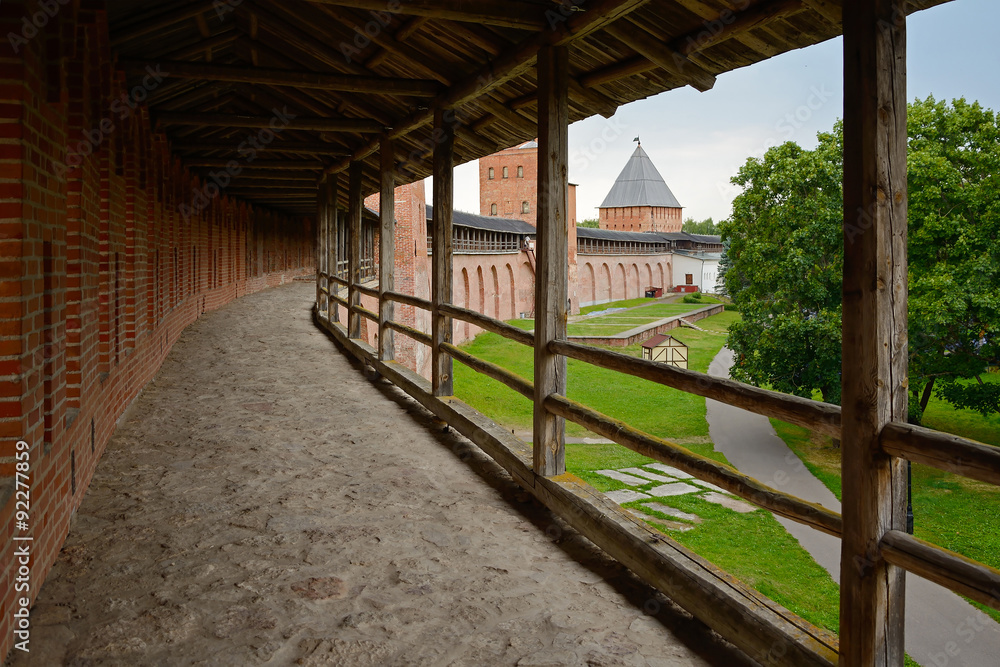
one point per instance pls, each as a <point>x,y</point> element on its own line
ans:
<point>505,172</point>
<point>524,205</point>
<point>490,176</point>
<point>688,279</point>
<point>493,209</point>
<point>520,172</point>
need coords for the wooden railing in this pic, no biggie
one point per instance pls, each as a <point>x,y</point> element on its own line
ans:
<point>874,379</point>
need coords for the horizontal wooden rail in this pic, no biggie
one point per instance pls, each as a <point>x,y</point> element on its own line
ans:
<point>703,468</point>
<point>339,299</point>
<point>367,291</point>
<point>765,630</point>
<point>409,300</point>
<point>515,382</point>
<point>821,417</point>
<point>415,334</point>
<point>324,290</point>
<point>340,281</point>
<point>950,453</point>
<point>489,324</point>
<point>963,575</point>
<point>364,312</point>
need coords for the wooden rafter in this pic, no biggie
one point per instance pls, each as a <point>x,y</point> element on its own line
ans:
<point>280,77</point>
<point>297,123</point>
<point>503,13</point>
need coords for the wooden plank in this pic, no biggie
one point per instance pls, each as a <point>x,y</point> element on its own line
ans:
<point>276,165</point>
<point>963,575</point>
<point>766,631</point>
<point>364,312</point>
<point>387,248</point>
<point>552,253</point>
<point>490,324</point>
<point>415,334</point>
<point>355,206</point>
<point>261,122</point>
<point>727,477</point>
<point>350,83</point>
<point>409,300</point>
<point>503,13</point>
<point>367,291</point>
<point>874,378</point>
<point>332,192</point>
<point>441,260</point>
<point>820,417</point>
<point>278,145</point>
<point>662,55</point>
<point>954,454</point>
<point>515,382</point>
<point>322,239</point>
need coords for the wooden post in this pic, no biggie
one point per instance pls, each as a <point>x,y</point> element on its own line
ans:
<point>552,256</point>
<point>874,328</point>
<point>333,244</point>
<point>441,268</point>
<point>322,238</point>
<point>355,204</point>
<point>387,248</point>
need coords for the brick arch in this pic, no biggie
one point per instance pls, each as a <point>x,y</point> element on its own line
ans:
<point>495,301</point>
<point>513,292</point>
<point>480,293</point>
<point>635,288</point>
<point>465,300</point>
<point>619,287</point>
<point>649,276</point>
<point>588,288</point>
<point>526,287</point>
<point>606,287</point>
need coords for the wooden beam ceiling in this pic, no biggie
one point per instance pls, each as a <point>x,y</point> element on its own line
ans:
<point>503,13</point>
<point>361,125</point>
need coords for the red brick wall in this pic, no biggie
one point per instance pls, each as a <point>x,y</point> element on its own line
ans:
<point>99,270</point>
<point>641,219</point>
<point>509,193</point>
<point>603,278</point>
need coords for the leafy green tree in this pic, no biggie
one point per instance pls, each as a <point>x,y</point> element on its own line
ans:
<point>706,226</point>
<point>786,256</point>
<point>592,223</point>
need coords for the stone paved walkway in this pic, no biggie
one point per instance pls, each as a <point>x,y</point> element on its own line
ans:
<point>264,504</point>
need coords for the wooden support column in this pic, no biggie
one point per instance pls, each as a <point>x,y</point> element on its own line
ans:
<point>441,267</point>
<point>333,238</point>
<point>874,378</point>
<point>322,239</point>
<point>387,248</point>
<point>355,205</point>
<point>552,256</point>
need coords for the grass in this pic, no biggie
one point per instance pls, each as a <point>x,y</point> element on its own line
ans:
<point>954,512</point>
<point>627,303</point>
<point>616,323</point>
<point>753,547</point>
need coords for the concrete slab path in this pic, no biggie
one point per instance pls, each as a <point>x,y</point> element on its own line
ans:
<point>265,504</point>
<point>942,629</point>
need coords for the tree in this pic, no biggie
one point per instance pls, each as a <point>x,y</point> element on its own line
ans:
<point>786,256</point>
<point>592,223</point>
<point>706,226</point>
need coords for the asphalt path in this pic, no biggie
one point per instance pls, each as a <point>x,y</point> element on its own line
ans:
<point>942,629</point>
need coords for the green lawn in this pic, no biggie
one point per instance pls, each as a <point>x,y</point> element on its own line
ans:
<point>616,323</point>
<point>949,510</point>
<point>753,547</point>
<point>627,303</point>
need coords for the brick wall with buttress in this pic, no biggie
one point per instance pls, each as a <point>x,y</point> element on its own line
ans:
<point>105,257</point>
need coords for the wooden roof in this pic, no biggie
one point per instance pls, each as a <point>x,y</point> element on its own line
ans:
<point>659,339</point>
<point>349,70</point>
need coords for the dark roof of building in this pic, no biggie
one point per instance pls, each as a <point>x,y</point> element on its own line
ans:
<point>695,238</point>
<point>658,339</point>
<point>612,235</point>
<point>640,184</point>
<point>487,222</point>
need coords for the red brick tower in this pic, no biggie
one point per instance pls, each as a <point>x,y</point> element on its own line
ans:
<point>640,200</point>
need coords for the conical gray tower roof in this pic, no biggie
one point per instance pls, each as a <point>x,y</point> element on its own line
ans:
<point>640,184</point>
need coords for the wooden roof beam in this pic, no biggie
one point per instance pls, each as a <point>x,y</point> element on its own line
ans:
<point>277,146</point>
<point>514,62</point>
<point>503,13</point>
<point>150,23</point>
<point>279,77</point>
<point>361,125</point>
<point>284,165</point>
<point>663,55</point>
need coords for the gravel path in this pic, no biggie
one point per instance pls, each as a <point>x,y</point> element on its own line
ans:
<point>264,504</point>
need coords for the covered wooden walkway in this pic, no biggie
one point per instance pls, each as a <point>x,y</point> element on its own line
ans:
<point>265,503</point>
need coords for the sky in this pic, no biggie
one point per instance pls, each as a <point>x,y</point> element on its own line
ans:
<point>698,141</point>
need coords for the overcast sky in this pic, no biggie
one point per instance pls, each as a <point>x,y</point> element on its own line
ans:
<point>698,141</point>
